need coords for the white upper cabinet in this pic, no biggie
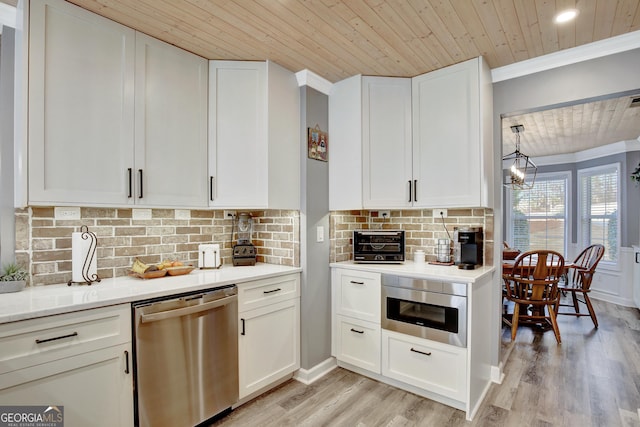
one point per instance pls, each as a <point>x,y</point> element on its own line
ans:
<point>81,111</point>
<point>386,142</point>
<point>370,146</point>
<point>254,136</point>
<point>452,136</point>
<point>115,117</point>
<point>171,125</point>
<point>421,142</point>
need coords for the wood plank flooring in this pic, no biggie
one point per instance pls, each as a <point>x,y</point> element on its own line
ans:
<point>591,379</point>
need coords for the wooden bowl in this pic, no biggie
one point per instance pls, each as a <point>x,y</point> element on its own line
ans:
<point>149,274</point>
<point>179,271</point>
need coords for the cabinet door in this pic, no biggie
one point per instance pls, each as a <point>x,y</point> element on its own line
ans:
<point>81,76</point>
<point>171,125</point>
<point>435,367</point>
<point>446,139</point>
<point>238,154</point>
<point>358,343</point>
<point>386,142</point>
<point>357,294</point>
<point>95,388</point>
<point>269,345</point>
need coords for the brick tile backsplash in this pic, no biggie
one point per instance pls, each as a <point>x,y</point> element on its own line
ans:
<point>421,229</point>
<point>43,243</point>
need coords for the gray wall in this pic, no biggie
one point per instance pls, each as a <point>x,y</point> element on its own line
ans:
<point>7,223</point>
<point>315,300</point>
<point>567,84</point>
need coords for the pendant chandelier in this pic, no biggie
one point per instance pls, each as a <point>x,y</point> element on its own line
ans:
<point>522,172</point>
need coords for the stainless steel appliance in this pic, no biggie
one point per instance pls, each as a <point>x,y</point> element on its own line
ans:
<point>378,246</point>
<point>425,308</point>
<point>186,357</point>
<point>471,248</point>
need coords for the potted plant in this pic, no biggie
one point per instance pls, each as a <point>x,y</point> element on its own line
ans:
<point>13,278</point>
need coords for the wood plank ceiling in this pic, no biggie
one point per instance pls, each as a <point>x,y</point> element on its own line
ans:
<point>341,38</point>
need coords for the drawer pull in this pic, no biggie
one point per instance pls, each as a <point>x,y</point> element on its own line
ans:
<point>126,361</point>
<point>357,331</point>
<point>421,352</point>
<point>272,291</point>
<point>75,334</point>
<point>356,283</point>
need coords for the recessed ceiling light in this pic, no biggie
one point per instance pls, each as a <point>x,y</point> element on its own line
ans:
<point>566,16</point>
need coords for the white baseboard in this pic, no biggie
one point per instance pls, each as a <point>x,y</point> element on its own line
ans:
<point>497,375</point>
<point>308,376</point>
<point>614,299</point>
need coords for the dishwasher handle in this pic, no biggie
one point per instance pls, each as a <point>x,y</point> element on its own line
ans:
<point>162,315</point>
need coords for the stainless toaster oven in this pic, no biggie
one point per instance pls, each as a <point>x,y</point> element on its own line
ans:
<point>378,246</point>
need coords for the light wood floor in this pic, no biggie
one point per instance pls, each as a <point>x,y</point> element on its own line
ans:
<point>591,379</point>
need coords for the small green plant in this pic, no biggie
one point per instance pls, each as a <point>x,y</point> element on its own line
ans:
<point>13,272</point>
<point>635,175</point>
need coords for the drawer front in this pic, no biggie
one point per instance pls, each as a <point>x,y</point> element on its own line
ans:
<point>439,368</point>
<point>260,293</point>
<point>358,295</point>
<point>358,343</point>
<point>31,342</point>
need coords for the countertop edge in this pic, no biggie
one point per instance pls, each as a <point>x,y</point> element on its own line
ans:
<point>32,302</point>
<point>421,271</point>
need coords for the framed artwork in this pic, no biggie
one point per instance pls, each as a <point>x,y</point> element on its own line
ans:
<point>318,144</point>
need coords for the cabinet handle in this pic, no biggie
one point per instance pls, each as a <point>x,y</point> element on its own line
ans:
<point>243,331</point>
<point>415,190</point>
<point>140,175</point>
<point>126,362</point>
<point>271,291</point>
<point>421,352</point>
<point>356,283</point>
<point>637,254</point>
<point>410,195</point>
<point>74,334</point>
<point>130,183</point>
<point>211,188</point>
<point>357,331</point>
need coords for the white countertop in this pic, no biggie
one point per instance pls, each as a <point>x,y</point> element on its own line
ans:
<point>38,301</point>
<point>449,273</point>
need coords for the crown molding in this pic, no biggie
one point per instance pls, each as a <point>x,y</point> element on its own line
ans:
<point>311,79</point>
<point>574,55</point>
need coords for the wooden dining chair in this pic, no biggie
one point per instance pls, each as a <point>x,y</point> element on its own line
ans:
<point>533,283</point>
<point>578,280</point>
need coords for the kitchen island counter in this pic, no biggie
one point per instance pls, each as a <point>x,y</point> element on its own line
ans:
<point>39,301</point>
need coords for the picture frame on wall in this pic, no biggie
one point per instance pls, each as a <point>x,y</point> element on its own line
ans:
<point>318,144</point>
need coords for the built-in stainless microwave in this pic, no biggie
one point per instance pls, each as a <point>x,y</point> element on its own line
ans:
<point>378,246</point>
<point>425,308</point>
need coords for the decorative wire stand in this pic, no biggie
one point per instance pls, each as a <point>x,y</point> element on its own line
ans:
<point>88,279</point>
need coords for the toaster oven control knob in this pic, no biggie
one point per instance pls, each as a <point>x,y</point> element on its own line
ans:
<point>379,258</point>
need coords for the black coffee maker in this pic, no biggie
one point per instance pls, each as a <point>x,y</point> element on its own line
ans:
<point>471,248</point>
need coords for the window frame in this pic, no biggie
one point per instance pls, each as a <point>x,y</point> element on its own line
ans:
<point>592,171</point>
<point>546,176</point>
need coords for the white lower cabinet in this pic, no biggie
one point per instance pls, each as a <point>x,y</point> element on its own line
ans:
<point>358,343</point>
<point>81,361</point>
<point>432,366</point>
<point>269,341</point>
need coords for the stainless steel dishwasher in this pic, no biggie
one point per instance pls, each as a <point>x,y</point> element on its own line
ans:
<point>186,357</point>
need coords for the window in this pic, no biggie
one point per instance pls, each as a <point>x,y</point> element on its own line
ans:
<point>538,218</point>
<point>599,207</point>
